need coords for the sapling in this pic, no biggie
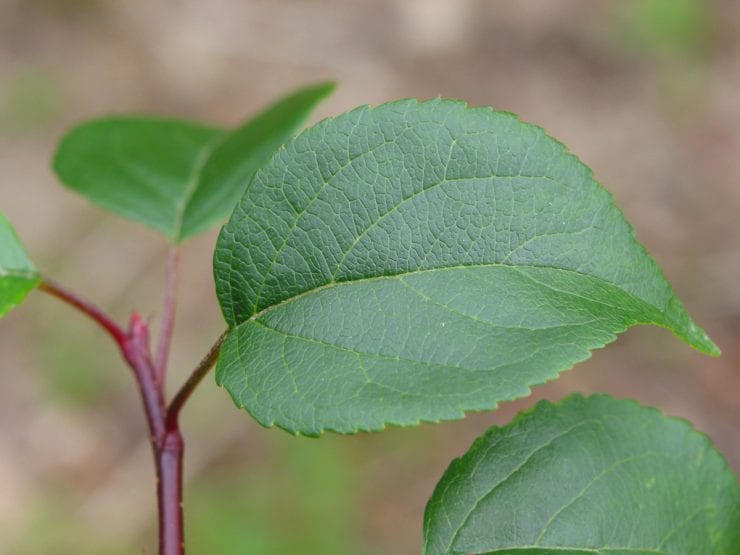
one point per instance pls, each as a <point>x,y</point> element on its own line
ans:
<point>404,263</point>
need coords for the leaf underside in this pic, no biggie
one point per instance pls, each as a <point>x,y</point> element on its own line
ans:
<point>18,277</point>
<point>417,260</point>
<point>177,177</point>
<point>591,475</point>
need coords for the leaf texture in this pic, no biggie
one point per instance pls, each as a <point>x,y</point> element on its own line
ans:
<point>18,277</point>
<point>417,260</point>
<point>177,177</point>
<point>588,475</point>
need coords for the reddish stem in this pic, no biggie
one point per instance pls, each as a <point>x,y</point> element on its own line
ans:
<point>137,355</point>
<point>192,382</point>
<point>87,308</point>
<point>166,440</point>
<point>169,493</point>
<point>168,318</point>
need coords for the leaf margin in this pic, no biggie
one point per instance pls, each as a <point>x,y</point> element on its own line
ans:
<point>28,274</point>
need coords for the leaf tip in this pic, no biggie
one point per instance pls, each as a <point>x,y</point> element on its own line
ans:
<point>700,341</point>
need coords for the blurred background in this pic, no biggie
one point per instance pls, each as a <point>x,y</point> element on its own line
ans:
<point>644,91</point>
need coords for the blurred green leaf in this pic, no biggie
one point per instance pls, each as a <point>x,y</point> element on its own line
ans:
<point>177,177</point>
<point>140,168</point>
<point>667,27</point>
<point>18,277</point>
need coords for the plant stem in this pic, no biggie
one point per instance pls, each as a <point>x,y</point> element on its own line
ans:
<point>169,455</point>
<point>87,308</point>
<point>169,493</point>
<point>192,382</point>
<point>168,318</point>
<point>166,442</point>
<point>137,355</point>
<point>162,420</point>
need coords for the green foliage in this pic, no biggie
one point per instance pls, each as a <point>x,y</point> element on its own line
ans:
<point>18,277</point>
<point>417,260</point>
<point>409,263</point>
<point>31,98</point>
<point>667,28</point>
<point>302,499</point>
<point>140,168</point>
<point>178,177</point>
<point>587,475</point>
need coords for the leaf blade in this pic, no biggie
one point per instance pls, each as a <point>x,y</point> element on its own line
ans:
<point>399,190</point>
<point>175,176</point>
<point>587,474</point>
<point>139,168</point>
<point>18,276</point>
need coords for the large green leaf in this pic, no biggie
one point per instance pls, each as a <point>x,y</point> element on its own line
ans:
<point>589,475</point>
<point>416,260</point>
<point>17,274</point>
<point>177,177</point>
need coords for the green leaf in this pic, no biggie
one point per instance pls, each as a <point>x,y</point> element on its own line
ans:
<point>591,475</point>
<point>177,177</point>
<point>417,260</point>
<point>141,168</point>
<point>18,277</point>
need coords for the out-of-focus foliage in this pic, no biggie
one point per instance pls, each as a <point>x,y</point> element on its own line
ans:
<point>32,98</point>
<point>51,526</point>
<point>303,500</point>
<point>667,28</point>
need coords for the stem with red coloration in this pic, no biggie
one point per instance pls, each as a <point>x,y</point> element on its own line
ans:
<point>165,438</point>
<point>86,307</point>
<point>139,359</point>
<point>192,382</point>
<point>169,493</point>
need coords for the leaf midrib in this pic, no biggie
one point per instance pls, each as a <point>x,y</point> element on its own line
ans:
<point>401,275</point>
<point>396,358</point>
<point>24,274</point>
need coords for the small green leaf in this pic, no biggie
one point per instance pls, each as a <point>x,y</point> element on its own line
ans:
<point>591,475</point>
<point>138,167</point>
<point>18,277</point>
<point>417,260</point>
<point>177,177</point>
